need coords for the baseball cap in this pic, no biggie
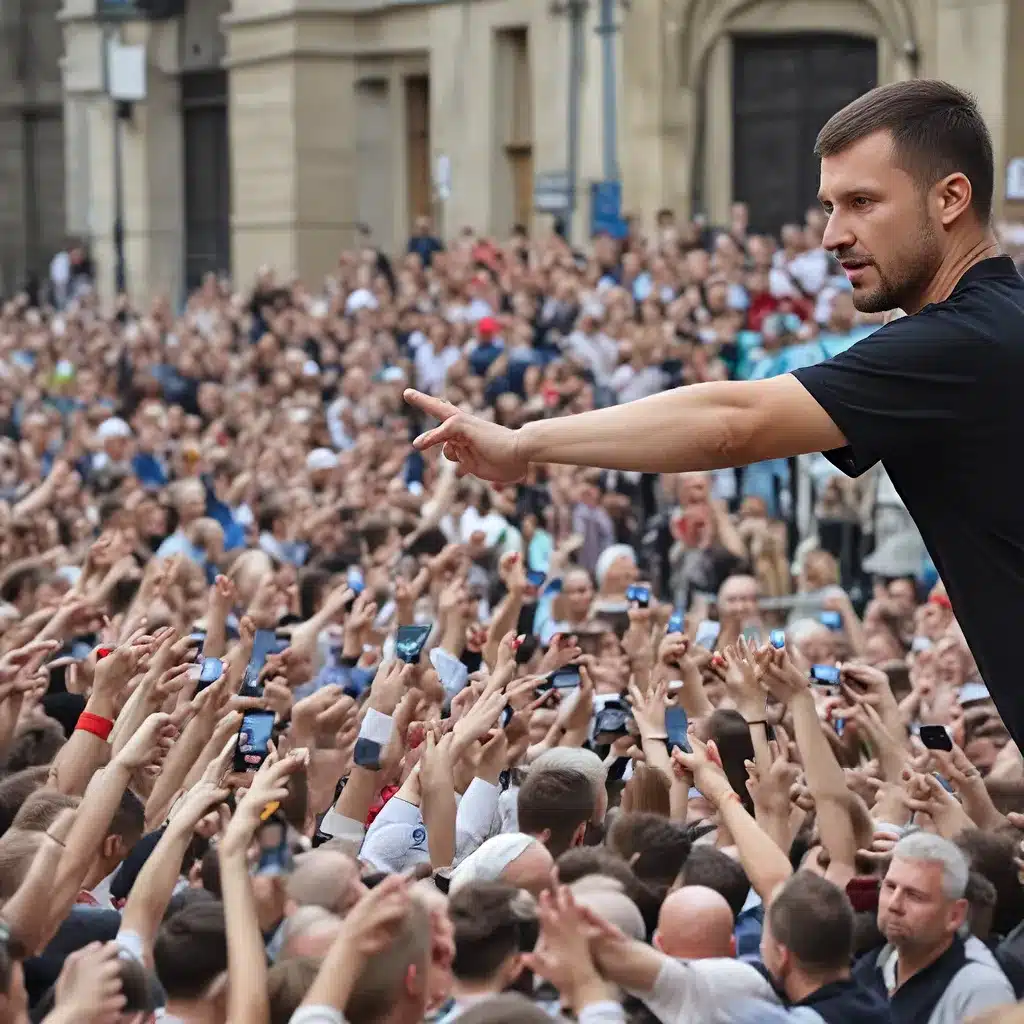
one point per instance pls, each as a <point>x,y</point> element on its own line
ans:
<point>113,427</point>
<point>487,326</point>
<point>321,459</point>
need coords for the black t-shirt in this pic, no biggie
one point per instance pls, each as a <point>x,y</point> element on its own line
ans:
<point>938,397</point>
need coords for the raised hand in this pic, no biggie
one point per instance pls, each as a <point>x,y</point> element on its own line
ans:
<point>484,449</point>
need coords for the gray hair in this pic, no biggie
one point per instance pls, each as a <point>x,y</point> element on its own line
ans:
<point>933,849</point>
<point>586,762</point>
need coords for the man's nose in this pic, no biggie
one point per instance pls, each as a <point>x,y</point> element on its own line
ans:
<point>838,234</point>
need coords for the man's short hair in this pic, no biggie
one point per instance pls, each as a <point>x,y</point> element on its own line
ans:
<point>42,809</point>
<point>382,979</point>
<point>16,788</point>
<point>814,920</point>
<point>36,745</point>
<point>717,870</point>
<point>129,819</point>
<point>936,130</point>
<point>933,849</point>
<point>287,984</point>
<point>17,851</point>
<point>656,847</point>
<point>191,950</point>
<point>492,921</point>
<point>556,800</point>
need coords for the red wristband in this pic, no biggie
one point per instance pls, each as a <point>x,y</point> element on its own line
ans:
<point>96,724</point>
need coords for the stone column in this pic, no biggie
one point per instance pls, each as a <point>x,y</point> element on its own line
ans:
<point>153,171</point>
<point>291,85</point>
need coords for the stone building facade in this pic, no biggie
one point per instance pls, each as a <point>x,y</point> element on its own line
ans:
<point>273,129</point>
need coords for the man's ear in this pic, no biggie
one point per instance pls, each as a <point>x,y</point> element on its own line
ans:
<point>110,846</point>
<point>579,837</point>
<point>732,947</point>
<point>656,942</point>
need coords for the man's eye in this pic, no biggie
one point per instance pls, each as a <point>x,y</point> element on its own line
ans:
<point>861,201</point>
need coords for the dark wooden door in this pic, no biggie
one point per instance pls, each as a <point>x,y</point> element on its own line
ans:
<point>784,90</point>
<point>204,97</point>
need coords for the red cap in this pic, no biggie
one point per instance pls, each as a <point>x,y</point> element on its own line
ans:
<point>487,326</point>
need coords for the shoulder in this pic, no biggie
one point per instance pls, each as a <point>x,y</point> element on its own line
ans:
<point>979,985</point>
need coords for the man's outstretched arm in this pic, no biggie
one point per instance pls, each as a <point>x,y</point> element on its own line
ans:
<point>699,427</point>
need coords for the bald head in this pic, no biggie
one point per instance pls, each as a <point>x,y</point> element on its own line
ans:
<point>695,923</point>
<point>310,931</point>
<point>325,878</point>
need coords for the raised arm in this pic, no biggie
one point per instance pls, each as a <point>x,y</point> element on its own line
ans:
<point>699,427</point>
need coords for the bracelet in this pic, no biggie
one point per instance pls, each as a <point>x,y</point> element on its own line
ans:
<point>96,724</point>
<point>759,721</point>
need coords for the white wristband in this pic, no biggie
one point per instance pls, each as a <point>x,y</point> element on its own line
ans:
<point>377,727</point>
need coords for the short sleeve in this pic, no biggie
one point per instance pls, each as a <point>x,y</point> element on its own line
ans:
<point>910,383</point>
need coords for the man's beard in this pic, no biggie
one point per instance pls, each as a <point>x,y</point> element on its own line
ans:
<point>912,271</point>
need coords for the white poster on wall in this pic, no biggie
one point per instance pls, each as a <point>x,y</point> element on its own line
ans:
<point>1015,178</point>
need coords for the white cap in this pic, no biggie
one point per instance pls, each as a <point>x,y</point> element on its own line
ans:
<point>113,427</point>
<point>320,459</point>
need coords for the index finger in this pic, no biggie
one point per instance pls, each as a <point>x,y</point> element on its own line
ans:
<point>436,407</point>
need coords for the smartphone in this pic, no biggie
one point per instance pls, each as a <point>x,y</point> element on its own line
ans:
<point>676,726</point>
<point>410,640</point>
<point>676,623</point>
<point>567,678</point>
<point>526,650</point>
<point>536,578</point>
<point>825,675</point>
<point>831,620</point>
<point>936,737</point>
<point>275,853</point>
<point>506,716</point>
<point>707,634</point>
<point>253,744</point>
<point>612,721</point>
<point>777,638</point>
<point>354,579</point>
<point>207,672</point>
<point>198,637</point>
<point>265,643</point>
<point>752,635</point>
<point>863,894</point>
<point>639,594</point>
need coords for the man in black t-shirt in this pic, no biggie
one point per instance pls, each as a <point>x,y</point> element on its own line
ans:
<point>907,179</point>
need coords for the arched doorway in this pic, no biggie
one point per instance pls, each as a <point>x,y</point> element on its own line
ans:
<point>784,88</point>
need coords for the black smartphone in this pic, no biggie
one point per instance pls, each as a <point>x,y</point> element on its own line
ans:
<point>410,640</point>
<point>198,637</point>
<point>612,722</point>
<point>936,737</point>
<point>676,623</point>
<point>506,716</point>
<point>207,672</point>
<point>253,744</point>
<point>831,620</point>
<point>825,675</point>
<point>567,678</point>
<point>676,726</point>
<point>275,853</point>
<point>265,643</point>
<point>639,595</point>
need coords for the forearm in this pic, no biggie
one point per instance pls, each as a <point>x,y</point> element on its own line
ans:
<point>152,891</point>
<point>824,775</point>
<point>21,911</point>
<point>439,814</point>
<point>95,813</point>
<point>247,958</point>
<point>183,756</point>
<point>504,620</point>
<point>216,643</point>
<point>766,865</point>
<point>77,761</point>
<point>698,427</point>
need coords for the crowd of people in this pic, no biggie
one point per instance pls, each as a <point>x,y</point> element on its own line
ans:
<point>297,724</point>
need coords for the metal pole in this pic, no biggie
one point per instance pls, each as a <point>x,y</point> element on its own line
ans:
<point>606,29</point>
<point>120,271</point>
<point>577,17</point>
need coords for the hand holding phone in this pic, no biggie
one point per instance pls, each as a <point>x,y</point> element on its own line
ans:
<point>639,595</point>
<point>410,640</point>
<point>825,675</point>
<point>936,737</point>
<point>253,744</point>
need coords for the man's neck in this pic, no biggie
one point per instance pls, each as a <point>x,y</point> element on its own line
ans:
<point>913,961</point>
<point>469,991</point>
<point>961,257</point>
<point>193,1011</point>
<point>801,986</point>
